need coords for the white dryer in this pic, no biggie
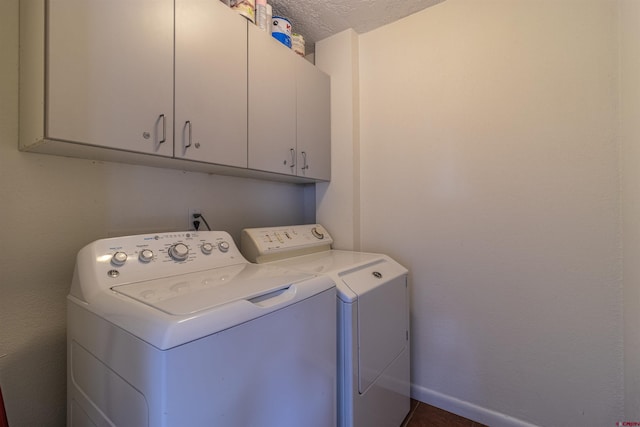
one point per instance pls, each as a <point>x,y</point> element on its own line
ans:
<point>373,318</point>
<point>178,329</point>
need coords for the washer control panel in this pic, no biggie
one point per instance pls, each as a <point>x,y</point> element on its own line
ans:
<point>129,259</point>
<point>271,243</point>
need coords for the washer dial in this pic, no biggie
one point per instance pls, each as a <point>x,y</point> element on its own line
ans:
<point>206,248</point>
<point>119,258</point>
<point>223,246</point>
<point>179,252</point>
<point>146,255</point>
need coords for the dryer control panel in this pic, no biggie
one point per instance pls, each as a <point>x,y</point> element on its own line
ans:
<point>274,243</point>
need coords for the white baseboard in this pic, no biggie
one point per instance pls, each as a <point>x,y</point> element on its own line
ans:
<point>466,409</point>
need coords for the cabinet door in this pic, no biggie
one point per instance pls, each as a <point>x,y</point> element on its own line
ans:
<point>272,104</point>
<point>110,74</point>
<point>211,83</point>
<point>313,121</point>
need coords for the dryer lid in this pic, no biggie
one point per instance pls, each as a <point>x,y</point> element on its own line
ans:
<point>329,262</point>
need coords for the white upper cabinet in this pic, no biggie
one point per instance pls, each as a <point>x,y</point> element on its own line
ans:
<point>313,121</point>
<point>110,74</point>
<point>210,83</point>
<point>272,104</point>
<point>185,84</point>
<point>289,111</point>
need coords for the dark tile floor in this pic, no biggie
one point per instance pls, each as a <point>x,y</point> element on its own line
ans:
<point>423,415</point>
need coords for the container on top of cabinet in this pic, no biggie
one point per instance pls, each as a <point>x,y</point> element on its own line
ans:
<point>98,82</point>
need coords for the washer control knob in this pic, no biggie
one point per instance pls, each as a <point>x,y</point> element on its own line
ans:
<point>146,255</point>
<point>223,246</point>
<point>206,248</point>
<point>179,252</point>
<point>317,234</point>
<point>119,258</point>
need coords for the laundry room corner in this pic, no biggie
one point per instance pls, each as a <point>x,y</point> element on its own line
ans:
<point>489,148</point>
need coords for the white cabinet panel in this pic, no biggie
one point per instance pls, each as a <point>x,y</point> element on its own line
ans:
<point>289,111</point>
<point>110,74</point>
<point>272,104</point>
<point>210,83</point>
<point>109,80</point>
<point>313,121</point>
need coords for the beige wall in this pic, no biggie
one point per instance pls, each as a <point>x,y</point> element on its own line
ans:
<point>489,167</point>
<point>51,206</point>
<point>630,166</point>
<point>337,206</point>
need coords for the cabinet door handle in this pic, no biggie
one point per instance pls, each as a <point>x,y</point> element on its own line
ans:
<point>187,124</point>
<point>304,161</point>
<point>164,129</point>
<point>293,159</point>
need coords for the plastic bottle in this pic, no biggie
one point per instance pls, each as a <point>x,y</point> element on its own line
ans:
<point>269,18</point>
<point>261,14</point>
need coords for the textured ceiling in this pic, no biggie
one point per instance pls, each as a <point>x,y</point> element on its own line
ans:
<point>318,19</point>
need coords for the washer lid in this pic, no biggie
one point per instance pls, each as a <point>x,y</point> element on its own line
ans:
<point>190,293</point>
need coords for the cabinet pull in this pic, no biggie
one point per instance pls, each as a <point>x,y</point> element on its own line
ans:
<point>304,161</point>
<point>187,124</point>
<point>164,129</point>
<point>293,159</point>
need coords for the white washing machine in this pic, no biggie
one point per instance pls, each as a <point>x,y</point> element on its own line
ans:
<point>178,329</point>
<point>373,318</point>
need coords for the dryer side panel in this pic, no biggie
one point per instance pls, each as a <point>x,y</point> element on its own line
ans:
<point>382,318</point>
<point>382,329</point>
